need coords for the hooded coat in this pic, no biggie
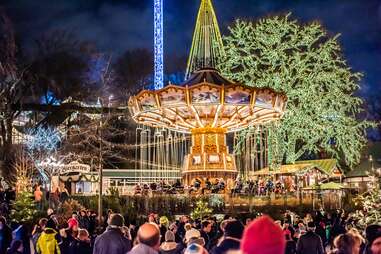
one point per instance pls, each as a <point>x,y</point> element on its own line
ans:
<point>47,242</point>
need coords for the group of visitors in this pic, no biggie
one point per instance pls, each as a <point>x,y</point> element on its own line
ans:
<point>55,197</point>
<point>258,187</point>
<point>317,233</point>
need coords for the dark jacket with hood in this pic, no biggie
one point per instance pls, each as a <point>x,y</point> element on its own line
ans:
<point>112,241</point>
<point>310,243</point>
<point>227,244</point>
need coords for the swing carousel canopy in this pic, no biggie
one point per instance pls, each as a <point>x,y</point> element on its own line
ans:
<point>207,99</point>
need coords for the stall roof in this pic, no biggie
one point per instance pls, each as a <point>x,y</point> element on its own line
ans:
<point>326,186</point>
<point>327,166</point>
<point>284,170</point>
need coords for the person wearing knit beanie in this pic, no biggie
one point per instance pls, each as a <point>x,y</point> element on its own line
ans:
<point>263,236</point>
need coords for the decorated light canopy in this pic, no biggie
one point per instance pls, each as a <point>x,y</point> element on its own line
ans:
<point>207,106</point>
<point>207,99</point>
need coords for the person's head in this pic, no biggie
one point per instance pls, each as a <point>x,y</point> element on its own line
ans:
<point>149,234</point>
<point>373,236</point>
<point>74,215</point>
<point>151,218</point>
<point>375,246</point>
<point>346,243</point>
<point>51,224</point>
<point>206,226</point>
<point>116,220</point>
<point>169,236</point>
<point>223,224</point>
<point>164,221</point>
<point>195,248</point>
<point>50,211</point>
<point>83,235</point>
<point>234,228</point>
<point>263,236</point>
<point>173,228</point>
<point>42,223</point>
<point>83,213</point>
<point>311,226</point>
<point>3,222</point>
<point>187,226</point>
<point>16,246</point>
<point>191,233</point>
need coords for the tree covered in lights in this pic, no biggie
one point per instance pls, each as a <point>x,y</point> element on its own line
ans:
<point>42,148</point>
<point>303,61</point>
<point>23,208</point>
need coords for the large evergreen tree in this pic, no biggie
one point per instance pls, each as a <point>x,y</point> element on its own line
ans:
<point>306,64</point>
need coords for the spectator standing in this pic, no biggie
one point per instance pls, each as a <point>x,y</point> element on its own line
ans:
<point>38,197</point>
<point>206,227</point>
<point>373,237</point>
<point>113,241</point>
<point>290,245</point>
<point>169,246</point>
<point>310,243</point>
<point>231,241</point>
<point>37,231</point>
<point>346,244</point>
<point>5,235</point>
<point>82,245</point>
<point>47,243</point>
<point>263,236</point>
<point>148,240</point>
<point>163,226</point>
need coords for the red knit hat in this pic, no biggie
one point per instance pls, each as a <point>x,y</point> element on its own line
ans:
<point>263,236</point>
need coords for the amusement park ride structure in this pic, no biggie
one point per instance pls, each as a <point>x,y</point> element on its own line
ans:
<point>207,106</point>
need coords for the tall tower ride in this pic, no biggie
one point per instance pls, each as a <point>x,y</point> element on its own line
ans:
<point>158,44</point>
<point>207,44</point>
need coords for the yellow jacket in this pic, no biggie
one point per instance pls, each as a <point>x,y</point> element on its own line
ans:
<point>47,242</point>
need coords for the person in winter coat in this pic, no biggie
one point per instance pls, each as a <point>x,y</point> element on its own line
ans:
<point>263,236</point>
<point>81,245</point>
<point>290,245</point>
<point>148,238</point>
<point>47,243</point>
<point>5,235</point>
<point>83,220</point>
<point>310,243</point>
<point>346,244</point>
<point>113,241</point>
<point>231,240</point>
<point>169,246</point>
<point>37,231</point>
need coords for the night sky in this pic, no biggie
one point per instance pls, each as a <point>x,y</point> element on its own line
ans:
<point>119,25</point>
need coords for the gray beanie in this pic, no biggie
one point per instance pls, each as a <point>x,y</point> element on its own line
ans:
<point>169,236</point>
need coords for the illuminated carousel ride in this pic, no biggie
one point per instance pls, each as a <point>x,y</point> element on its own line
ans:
<point>207,106</point>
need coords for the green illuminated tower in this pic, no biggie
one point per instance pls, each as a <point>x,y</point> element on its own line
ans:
<point>207,42</point>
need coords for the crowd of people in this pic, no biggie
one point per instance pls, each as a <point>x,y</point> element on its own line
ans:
<point>317,233</point>
<point>259,187</point>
